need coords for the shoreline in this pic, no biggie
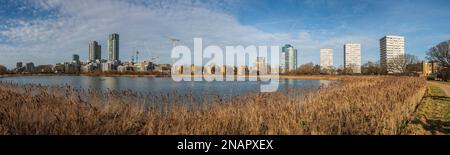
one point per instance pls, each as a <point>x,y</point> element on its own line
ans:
<point>303,77</point>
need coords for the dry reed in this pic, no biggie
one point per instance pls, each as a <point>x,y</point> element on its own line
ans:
<point>357,105</point>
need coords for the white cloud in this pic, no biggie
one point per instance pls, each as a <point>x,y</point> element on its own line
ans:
<point>141,26</point>
<point>144,27</point>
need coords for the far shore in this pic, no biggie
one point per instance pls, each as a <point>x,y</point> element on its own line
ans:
<point>103,75</point>
<point>304,77</point>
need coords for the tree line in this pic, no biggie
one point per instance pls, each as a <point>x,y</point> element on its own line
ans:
<point>440,55</point>
<point>407,64</point>
<point>3,70</point>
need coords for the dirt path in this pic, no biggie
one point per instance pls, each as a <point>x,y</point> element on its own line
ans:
<point>443,86</point>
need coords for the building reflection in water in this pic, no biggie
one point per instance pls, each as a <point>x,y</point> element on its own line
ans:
<point>111,83</point>
<point>93,83</point>
<point>325,83</point>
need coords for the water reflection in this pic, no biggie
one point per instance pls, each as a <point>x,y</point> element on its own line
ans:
<point>111,83</point>
<point>325,83</point>
<point>164,85</point>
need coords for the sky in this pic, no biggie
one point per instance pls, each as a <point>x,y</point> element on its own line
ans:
<point>51,31</point>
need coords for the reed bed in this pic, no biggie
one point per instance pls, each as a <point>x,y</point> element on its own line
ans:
<point>356,105</point>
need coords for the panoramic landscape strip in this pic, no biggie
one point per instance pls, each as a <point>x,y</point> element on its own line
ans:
<point>138,67</point>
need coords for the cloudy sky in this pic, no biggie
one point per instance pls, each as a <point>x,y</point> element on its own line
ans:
<point>50,31</point>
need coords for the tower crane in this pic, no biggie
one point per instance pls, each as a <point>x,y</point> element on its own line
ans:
<point>174,40</point>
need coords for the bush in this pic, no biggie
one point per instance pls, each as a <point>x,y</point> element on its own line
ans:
<point>3,69</point>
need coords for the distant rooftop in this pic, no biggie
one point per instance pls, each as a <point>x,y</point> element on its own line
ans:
<point>394,36</point>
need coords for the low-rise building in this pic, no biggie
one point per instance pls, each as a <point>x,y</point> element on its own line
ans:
<point>261,65</point>
<point>90,67</point>
<point>241,70</point>
<point>429,68</point>
<point>163,68</point>
<point>72,68</point>
<point>44,69</point>
<point>107,67</point>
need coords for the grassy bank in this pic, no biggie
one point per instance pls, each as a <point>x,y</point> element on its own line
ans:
<point>433,115</point>
<point>358,105</point>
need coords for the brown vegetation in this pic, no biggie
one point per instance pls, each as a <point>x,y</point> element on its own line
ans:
<point>357,105</point>
<point>3,70</point>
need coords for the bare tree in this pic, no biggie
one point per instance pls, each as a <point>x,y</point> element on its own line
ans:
<point>345,70</point>
<point>371,68</point>
<point>400,63</point>
<point>352,69</point>
<point>3,69</point>
<point>440,54</point>
<point>307,69</point>
<point>331,70</point>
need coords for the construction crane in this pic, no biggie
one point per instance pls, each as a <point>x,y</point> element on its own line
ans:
<point>137,56</point>
<point>132,56</point>
<point>154,59</point>
<point>174,40</point>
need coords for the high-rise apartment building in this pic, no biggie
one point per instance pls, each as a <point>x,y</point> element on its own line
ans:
<point>290,58</point>
<point>113,47</point>
<point>76,58</point>
<point>19,65</point>
<point>261,65</point>
<point>391,49</point>
<point>95,51</point>
<point>326,58</point>
<point>352,57</point>
<point>29,67</point>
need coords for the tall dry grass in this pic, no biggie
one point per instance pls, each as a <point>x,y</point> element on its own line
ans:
<point>357,105</point>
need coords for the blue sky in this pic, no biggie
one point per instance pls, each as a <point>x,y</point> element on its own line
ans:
<point>50,31</point>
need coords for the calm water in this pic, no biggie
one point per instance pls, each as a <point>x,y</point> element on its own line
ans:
<point>156,86</point>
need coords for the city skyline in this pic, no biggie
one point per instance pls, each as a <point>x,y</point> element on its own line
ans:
<point>28,28</point>
<point>391,47</point>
